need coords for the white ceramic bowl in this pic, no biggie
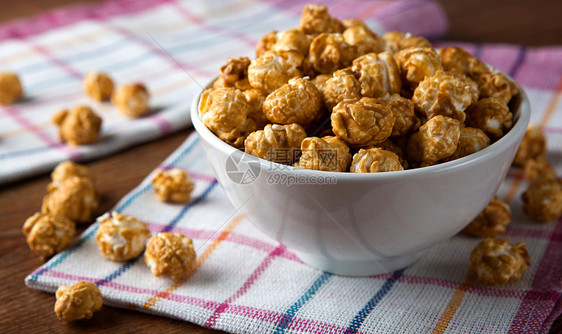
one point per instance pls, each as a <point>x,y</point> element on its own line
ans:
<point>361,224</point>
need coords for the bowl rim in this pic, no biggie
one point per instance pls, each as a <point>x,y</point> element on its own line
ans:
<point>521,120</point>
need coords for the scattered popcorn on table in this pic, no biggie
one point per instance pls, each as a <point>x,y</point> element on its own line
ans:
<point>276,142</point>
<point>68,169</point>
<point>542,201</point>
<point>375,160</point>
<point>437,139</point>
<point>326,153</point>
<point>78,301</point>
<point>491,116</point>
<point>536,168</point>
<point>234,74</point>
<point>170,254</point>
<point>48,234</point>
<point>491,221</point>
<point>173,185</point>
<point>533,146</point>
<point>132,100</point>
<point>378,74</point>
<point>272,70</point>
<point>74,198</point>
<point>285,105</point>
<point>120,237</point>
<point>98,86</point>
<point>496,261</point>
<point>79,126</point>
<point>10,88</point>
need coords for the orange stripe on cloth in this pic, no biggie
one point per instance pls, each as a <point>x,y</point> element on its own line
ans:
<point>515,184</point>
<point>451,308</point>
<point>200,260</point>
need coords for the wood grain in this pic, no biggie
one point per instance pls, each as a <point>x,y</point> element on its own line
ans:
<point>27,310</point>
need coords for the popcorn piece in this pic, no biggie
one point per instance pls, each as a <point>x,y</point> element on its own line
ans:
<point>388,145</point>
<point>98,86</point>
<point>10,88</point>
<point>292,40</point>
<point>471,140</point>
<point>363,39</point>
<point>74,198</point>
<point>491,116</point>
<point>341,86</point>
<point>320,81</point>
<point>497,85</point>
<point>375,160</point>
<point>542,201</point>
<point>396,41</point>
<point>120,237</point>
<point>330,52</point>
<point>68,169</point>
<point>266,43</point>
<point>80,301</point>
<point>456,59</point>
<point>435,140</point>
<point>403,110</point>
<point>170,254</point>
<point>278,143</point>
<point>226,112</point>
<point>255,98</point>
<point>172,185</point>
<point>78,126</point>
<point>491,221</point>
<point>362,122</point>
<point>48,234</point>
<point>417,63</point>
<point>132,100</point>
<point>535,168</point>
<point>315,20</point>
<point>326,153</point>
<point>234,74</point>
<point>445,93</point>
<point>378,74</point>
<point>532,147</point>
<point>496,261</point>
<point>298,101</point>
<point>272,70</point>
<point>348,23</point>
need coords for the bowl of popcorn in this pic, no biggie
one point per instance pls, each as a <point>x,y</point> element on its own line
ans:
<point>355,150</point>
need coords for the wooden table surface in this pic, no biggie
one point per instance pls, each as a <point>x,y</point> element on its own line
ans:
<point>27,310</point>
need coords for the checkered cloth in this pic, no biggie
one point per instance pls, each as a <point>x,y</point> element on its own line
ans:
<point>248,283</point>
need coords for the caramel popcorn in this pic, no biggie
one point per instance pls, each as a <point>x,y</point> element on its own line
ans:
<point>341,86</point>
<point>445,93</point>
<point>255,98</point>
<point>491,116</point>
<point>497,85</point>
<point>388,145</point>
<point>396,41</point>
<point>471,140</point>
<point>491,221</point>
<point>172,185</point>
<point>132,100</point>
<point>74,198</point>
<point>298,101</point>
<point>456,59</point>
<point>225,111</point>
<point>542,201</point>
<point>292,40</point>
<point>48,234</point>
<point>170,254</point>
<point>378,74</point>
<point>326,153</point>
<point>272,70</point>
<point>315,20</point>
<point>496,261</point>
<point>78,126</point>
<point>363,39</point>
<point>266,43</point>
<point>120,237</point>
<point>437,139</point>
<point>80,301</point>
<point>403,110</point>
<point>532,147</point>
<point>98,86</point>
<point>535,168</point>
<point>330,52</point>
<point>375,160</point>
<point>362,122</point>
<point>234,74</point>
<point>416,64</point>
<point>68,169</point>
<point>278,143</point>
<point>320,81</point>
<point>10,88</point>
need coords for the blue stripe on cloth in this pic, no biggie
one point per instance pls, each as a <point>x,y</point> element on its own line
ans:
<point>287,318</point>
<point>372,303</point>
<point>20,153</point>
<point>518,62</point>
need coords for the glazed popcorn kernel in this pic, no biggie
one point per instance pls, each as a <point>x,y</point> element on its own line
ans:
<point>272,70</point>
<point>497,85</point>
<point>416,64</point>
<point>292,40</point>
<point>315,20</point>
<point>362,122</point>
<point>298,101</point>
<point>403,110</point>
<point>132,100</point>
<point>225,111</point>
<point>535,168</point>
<point>255,98</point>
<point>342,85</point>
<point>172,185</point>
<point>437,139</point>
<point>10,88</point>
<point>120,237</point>
<point>98,86</point>
<point>68,169</point>
<point>266,43</point>
<point>445,93</point>
<point>388,145</point>
<point>496,261</point>
<point>491,116</point>
<point>363,39</point>
<point>375,160</point>
<point>78,301</point>
<point>48,234</point>
<point>377,73</point>
<point>234,74</point>
<point>278,143</point>
<point>74,198</point>
<point>532,147</point>
<point>491,221</point>
<point>79,126</point>
<point>327,153</point>
<point>330,52</point>
<point>170,254</point>
<point>456,59</point>
<point>542,201</point>
<point>396,41</point>
<point>471,140</point>
<point>320,81</point>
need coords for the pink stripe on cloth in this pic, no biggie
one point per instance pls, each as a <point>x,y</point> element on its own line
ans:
<point>43,51</point>
<point>163,124</point>
<point>419,17</point>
